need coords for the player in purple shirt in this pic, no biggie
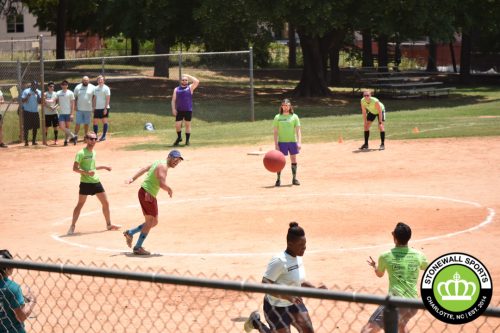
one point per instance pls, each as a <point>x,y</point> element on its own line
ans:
<point>182,106</point>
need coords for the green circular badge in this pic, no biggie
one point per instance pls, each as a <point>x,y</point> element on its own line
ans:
<point>456,288</point>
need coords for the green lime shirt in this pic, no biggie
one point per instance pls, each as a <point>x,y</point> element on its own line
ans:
<point>371,105</point>
<point>151,183</point>
<point>86,160</point>
<point>286,127</point>
<point>402,265</point>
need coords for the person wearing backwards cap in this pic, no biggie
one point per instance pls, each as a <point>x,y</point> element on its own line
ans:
<point>155,179</point>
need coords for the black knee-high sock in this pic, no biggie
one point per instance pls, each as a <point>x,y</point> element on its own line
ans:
<point>279,175</point>
<point>179,135</point>
<point>367,135</point>
<point>382,137</point>
<point>56,134</point>
<point>294,170</point>
<point>188,136</point>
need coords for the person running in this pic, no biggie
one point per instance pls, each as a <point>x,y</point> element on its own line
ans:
<point>372,108</point>
<point>66,101</point>
<point>100,103</point>
<point>15,307</point>
<point>89,182</point>
<point>287,137</point>
<point>182,106</point>
<point>402,265</point>
<point>285,268</point>
<point>155,180</point>
<point>50,110</point>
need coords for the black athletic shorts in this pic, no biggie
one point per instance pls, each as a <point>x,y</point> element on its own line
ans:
<point>371,117</point>
<point>186,115</point>
<point>90,188</point>
<point>31,120</point>
<point>99,113</point>
<point>51,120</point>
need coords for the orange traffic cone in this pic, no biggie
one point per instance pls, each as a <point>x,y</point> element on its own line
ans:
<point>416,130</point>
<point>341,140</point>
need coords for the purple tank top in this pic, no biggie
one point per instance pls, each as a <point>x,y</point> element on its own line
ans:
<point>184,99</point>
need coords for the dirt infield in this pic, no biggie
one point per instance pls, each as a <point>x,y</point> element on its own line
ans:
<point>226,218</point>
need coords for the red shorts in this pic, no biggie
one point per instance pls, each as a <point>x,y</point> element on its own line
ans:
<point>149,204</point>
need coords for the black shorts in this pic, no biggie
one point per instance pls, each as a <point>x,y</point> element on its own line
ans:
<point>51,120</point>
<point>31,120</point>
<point>371,116</point>
<point>280,317</point>
<point>99,113</point>
<point>90,188</point>
<point>186,115</point>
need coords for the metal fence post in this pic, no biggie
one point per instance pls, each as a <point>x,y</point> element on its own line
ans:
<point>102,67</point>
<point>250,65</point>
<point>390,317</point>
<point>42,88</point>
<point>19,101</point>
<point>180,64</point>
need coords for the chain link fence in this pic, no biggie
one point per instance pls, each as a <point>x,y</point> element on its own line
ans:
<point>225,92</point>
<point>99,298</point>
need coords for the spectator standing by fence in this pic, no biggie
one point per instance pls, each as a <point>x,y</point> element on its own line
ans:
<point>30,98</point>
<point>402,265</point>
<point>15,307</point>
<point>84,94</point>
<point>50,110</point>
<point>286,268</point>
<point>182,106</point>
<point>66,101</point>
<point>102,95</point>
<point>2,144</point>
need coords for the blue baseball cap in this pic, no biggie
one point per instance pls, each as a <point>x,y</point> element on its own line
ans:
<point>175,154</point>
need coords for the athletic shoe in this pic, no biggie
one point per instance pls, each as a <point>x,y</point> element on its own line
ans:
<point>382,147</point>
<point>295,182</point>
<point>34,143</point>
<point>177,141</point>
<point>103,138</point>
<point>364,146</point>
<point>113,227</point>
<point>278,183</point>
<point>71,230</point>
<point>26,144</point>
<point>252,322</point>
<point>128,238</point>
<point>187,143</point>
<point>74,140</point>
<point>65,143</point>
<point>141,252</point>
<point>3,145</point>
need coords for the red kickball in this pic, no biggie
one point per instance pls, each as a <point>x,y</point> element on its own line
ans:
<point>274,161</point>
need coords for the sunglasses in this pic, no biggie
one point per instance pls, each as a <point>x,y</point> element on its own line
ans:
<point>366,95</point>
<point>93,139</point>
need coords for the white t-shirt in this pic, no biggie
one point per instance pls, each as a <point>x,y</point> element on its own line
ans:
<point>84,96</point>
<point>65,99</point>
<point>285,270</point>
<point>50,96</point>
<point>100,96</point>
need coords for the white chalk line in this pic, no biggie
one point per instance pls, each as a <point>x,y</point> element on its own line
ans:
<point>486,221</point>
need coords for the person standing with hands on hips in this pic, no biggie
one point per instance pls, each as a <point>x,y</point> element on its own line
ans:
<point>372,108</point>
<point>285,268</point>
<point>31,97</point>
<point>182,106</point>
<point>287,137</point>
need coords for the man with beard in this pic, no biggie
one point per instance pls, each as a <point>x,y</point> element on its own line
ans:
<point>84,93</point>
<point>182,106</point>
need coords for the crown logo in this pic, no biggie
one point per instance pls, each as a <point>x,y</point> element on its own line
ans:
<point>450,290</point>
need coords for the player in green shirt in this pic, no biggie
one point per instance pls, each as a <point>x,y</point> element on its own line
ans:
<point>287,137</point>
<point>372,108</point>
<point>89,182</point>
<point>402,264</point>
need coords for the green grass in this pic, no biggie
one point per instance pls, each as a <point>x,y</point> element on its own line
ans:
<point>221,117</point>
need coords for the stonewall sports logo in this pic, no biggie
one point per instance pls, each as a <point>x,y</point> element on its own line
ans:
<point>456,288</point>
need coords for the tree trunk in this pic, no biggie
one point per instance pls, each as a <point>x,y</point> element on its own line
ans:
<point>335,41</point>
<point>431,58</point>
<point>367,49</point>
<point>312,82</point>
<point>453,59</point>
<point>62,10</point>
<point>135,46</point>
<point>383,60</point>
<point>292,47</point>
<point>465,57</point>
<point>161,63</point>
